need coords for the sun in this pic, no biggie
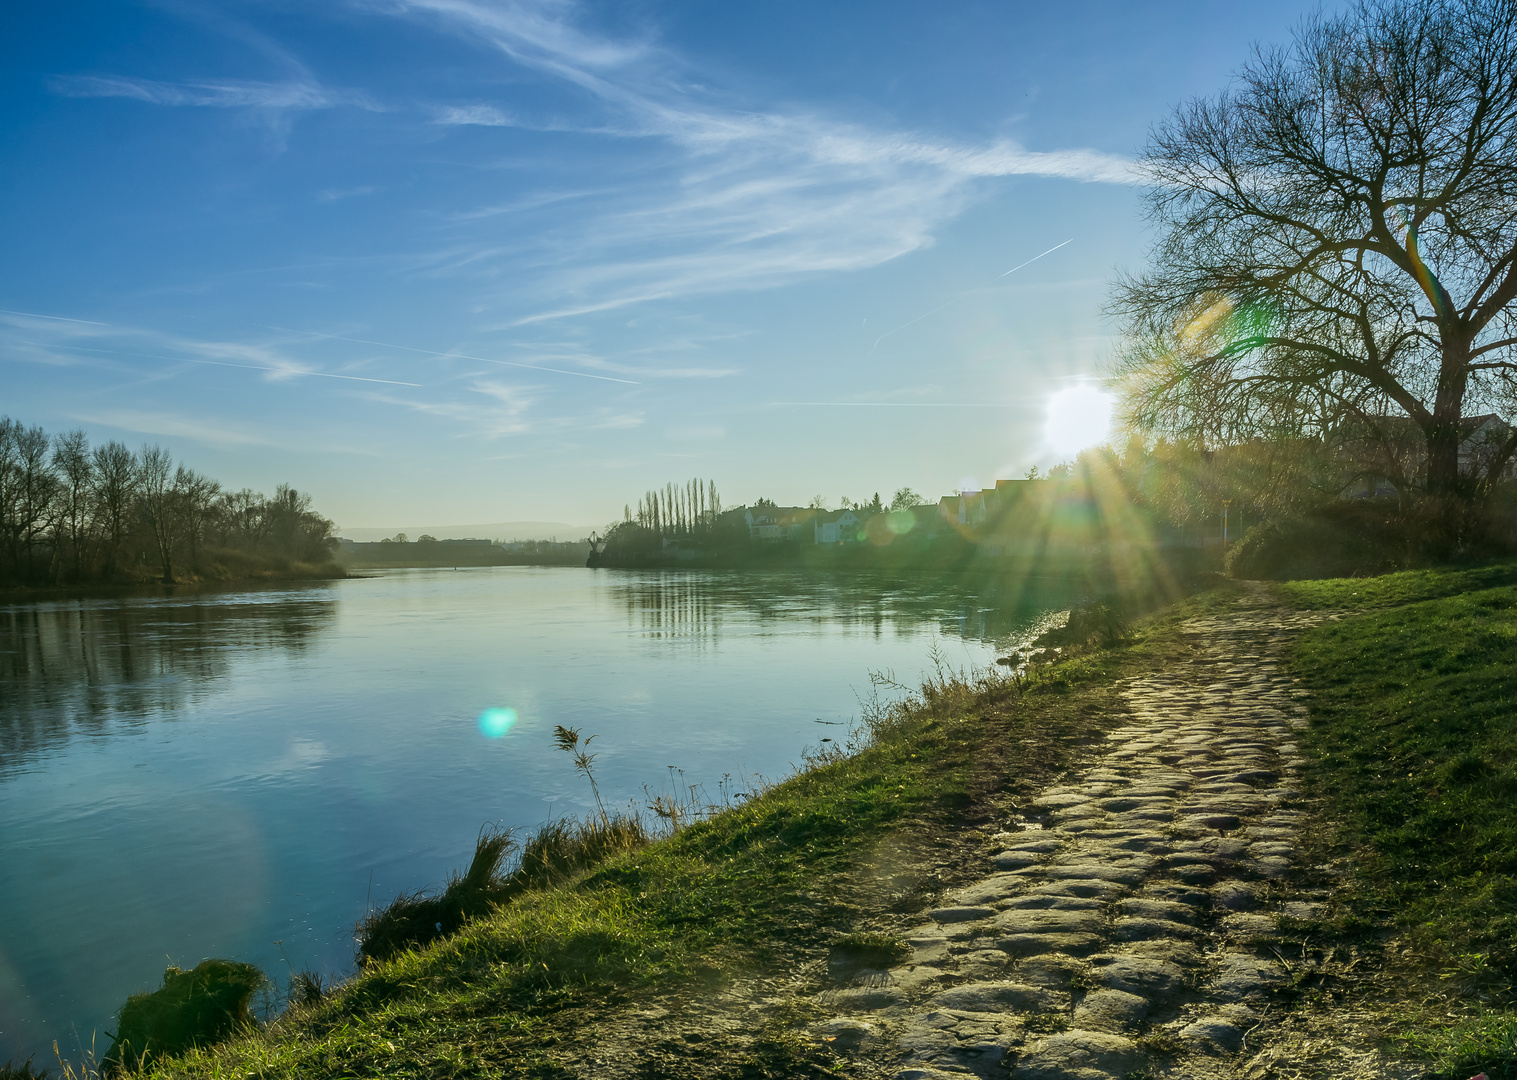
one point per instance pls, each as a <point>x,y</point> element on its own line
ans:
<point>1077,417</point>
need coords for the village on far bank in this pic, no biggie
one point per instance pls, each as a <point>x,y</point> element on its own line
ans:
<point>1109,513</point>
<point>1064,513</point>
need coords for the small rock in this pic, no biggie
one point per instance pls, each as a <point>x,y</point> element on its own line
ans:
<point>1081,889</point>
<point>1078,1055</point>
<point>1244,976</point>
<point>1014,860</point>
<point>1105,1009</point>
<point>1042,901</point>
<point>1245,927</point>
<point>1050,971</point>
<point>960,914</point>
<point>991,889</point>
<point>1137,929</point>
<point>1140,975</point>
<point>1035,944</point>
<point>1233,896</point>
<point>992,997</point>
<point>867,997</point>
<point>1303,911</point>
<point>1221,1032</point>
<point>1120,873</point>
<point>1221,822</point>
<point>846,1033</point>
<point>1048,921</point>
<point>1061,801</point>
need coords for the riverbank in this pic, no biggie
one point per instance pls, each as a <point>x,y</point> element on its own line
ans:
<point>250,573</point>
<point>727,950</point>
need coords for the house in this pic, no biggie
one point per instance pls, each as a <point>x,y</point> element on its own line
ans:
<point>777,523</point>
<point>838,527</point>
<point>1483,438</point>
<point>1391,451</point>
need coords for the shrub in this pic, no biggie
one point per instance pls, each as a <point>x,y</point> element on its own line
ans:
<point>415,918</point>
<point>1348,538</point>
<point>192,1008</point>
<point>556,851</point>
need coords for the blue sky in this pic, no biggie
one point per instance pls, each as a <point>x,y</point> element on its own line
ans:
<point>462,261</point>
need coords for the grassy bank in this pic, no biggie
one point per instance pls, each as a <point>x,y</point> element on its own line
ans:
<point>697,955</point>
<point>1414,735</point>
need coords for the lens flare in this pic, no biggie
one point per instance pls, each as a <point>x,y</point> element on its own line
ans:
<point>496,723</point>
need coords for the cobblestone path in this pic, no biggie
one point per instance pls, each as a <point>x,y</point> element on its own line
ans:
<point>1119,935</point>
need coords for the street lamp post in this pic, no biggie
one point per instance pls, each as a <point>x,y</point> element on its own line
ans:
<point>1225,504</point>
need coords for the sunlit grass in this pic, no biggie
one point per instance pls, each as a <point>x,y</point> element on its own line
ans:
<point>1394,590</point>
<point>1414,736</point>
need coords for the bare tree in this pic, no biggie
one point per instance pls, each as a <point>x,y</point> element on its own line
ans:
<point>904,499</point>
<point>158,503</point>
<point>33,486</point>
<point>75,519</point>
<point>1337,240</point>
<point>115,477</point>
<point>195,500</point>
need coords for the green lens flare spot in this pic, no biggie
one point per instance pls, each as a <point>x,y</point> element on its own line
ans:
<point>496,723</point>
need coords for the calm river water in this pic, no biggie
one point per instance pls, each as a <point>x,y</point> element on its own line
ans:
<point>238,774</point>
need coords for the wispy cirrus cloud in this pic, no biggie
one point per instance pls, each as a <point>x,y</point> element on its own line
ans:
<point>739,198</point>
<point>477,115</point>
<point>137,368</point>
<point>57,340</point>
<point>214,93</point>
<point>175,425</point>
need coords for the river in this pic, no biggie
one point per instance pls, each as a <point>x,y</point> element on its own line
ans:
<point>241,773</point>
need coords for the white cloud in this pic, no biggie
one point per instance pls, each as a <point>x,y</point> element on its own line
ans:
<point>198,429</point>
<point>218,93</point>
<point>742,199</point>
<point>479,115</point>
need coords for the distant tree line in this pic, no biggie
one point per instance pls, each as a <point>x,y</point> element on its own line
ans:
<point>71,513</point>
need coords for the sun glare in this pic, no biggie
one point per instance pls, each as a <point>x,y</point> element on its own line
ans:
<point>1077,417</point>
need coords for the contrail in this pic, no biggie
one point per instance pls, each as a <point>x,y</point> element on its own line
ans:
<point>300,371</point>
<point>212,363</point>
<point>961,296</point>
<point>457,355</point>
<point>55,318</point>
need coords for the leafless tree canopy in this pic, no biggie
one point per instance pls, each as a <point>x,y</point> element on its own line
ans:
<point>1337,238</point>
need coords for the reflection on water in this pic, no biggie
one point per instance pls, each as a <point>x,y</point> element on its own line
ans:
<point>693,607</point>
<point>275,759</point>
<point>89,668</point>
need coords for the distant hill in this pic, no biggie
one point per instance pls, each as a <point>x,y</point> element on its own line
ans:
<point>497,530</point>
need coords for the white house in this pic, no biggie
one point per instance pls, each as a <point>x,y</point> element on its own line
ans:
<point>841,527</point>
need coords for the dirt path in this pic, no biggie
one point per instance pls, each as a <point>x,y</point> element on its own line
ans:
<point>1131,927</point>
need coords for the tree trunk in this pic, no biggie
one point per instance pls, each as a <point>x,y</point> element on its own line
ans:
<point>1444,481</point>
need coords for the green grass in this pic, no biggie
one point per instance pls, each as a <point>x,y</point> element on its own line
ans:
<point>1485,1042</point>
<point>1396,590</point>
<point>1414,737</point>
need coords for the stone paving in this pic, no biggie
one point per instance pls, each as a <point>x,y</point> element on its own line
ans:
<point>1117,935</point>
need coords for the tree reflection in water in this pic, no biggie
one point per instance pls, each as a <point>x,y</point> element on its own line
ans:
<point>102,667</point>
<point>693,606</point>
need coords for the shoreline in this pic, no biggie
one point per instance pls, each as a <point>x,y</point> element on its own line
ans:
<point>24,594</point>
